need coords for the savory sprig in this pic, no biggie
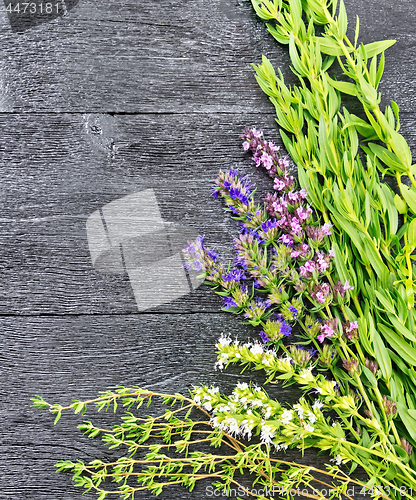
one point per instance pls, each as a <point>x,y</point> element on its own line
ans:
<point>167,445</point>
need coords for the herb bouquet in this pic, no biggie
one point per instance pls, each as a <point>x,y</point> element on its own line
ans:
<point>326,256</point>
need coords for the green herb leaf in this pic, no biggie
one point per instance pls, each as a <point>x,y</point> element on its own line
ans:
<point>374,48</point>
<point>409,196</point>
<point>411,233</point>
<point>382,355</point>
<point>407,420</point>
<point>344,87</point>
<point>403,348</point>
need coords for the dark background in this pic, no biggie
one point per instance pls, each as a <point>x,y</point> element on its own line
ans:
<point>117,97</point>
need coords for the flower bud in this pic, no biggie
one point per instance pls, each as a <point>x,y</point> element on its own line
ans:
<point>350,329</point>
<point>300,355</point>
<point>351,366</point>
<point>389,406</point>
<point>371,365</point>
<point>347,404</point>
<point>406,446</point>
<point>327,355</point>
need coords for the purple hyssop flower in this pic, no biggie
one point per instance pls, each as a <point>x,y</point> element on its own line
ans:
<point>229,302</point>
<point>264,337</point>
<point>294,311</point>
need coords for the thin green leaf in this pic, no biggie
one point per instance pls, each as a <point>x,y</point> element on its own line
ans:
<point>387,157</point>
<point>382,355</point>
<point>407,419</point>
<point>342,20</point>
<point>374,257</point>
<point>403,348</point>
<point>374,48</point>
<point>329,46</point>
<point>401,329</point>
<point>400,204</point>
<point>344,87</point>
<point>387,303</point>
<point>357,31</point>
<point>409,196</point>
<point>391,209</point>
<point>370,376</point>
<point>411,233</point>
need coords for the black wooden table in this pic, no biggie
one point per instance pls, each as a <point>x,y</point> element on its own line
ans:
<point>115,98</point>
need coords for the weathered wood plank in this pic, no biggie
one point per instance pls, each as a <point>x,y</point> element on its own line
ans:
<point>48,194</point>
<point>76,357</point>
<point>150,57</point>
<point>185,67</point>
<point>56,177</point>
<point>171,57</point>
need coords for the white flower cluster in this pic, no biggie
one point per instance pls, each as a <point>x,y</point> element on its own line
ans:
<point>267,433</point>
<point>325,387</point>
<point>249,409</point>
<point>306,417</point>
<point>223,340</point>
<point>252,352</point>
<point>206,397</point>
<point>246,409</point>
<point>221,361</point>
<point>286,417</point>
<point>337,459</point>
<point>305,376</point>
<point>318,405</point>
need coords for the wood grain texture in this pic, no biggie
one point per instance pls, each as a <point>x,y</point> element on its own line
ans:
<point>170,56</point>
<point>55,176</point>
<point>116,98</point>
<point>76,357</point>
<point>47,266</point>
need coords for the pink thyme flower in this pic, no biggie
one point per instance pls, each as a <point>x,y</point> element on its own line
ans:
<point>310,266</point>
<point>282,222</point>
<point>323,262</point>
<point>267,161</point>
<point>347,286</point>
<point>303,214</point>
<point>326,228</point>
<point>292,195</point>
<point>279,205</point>
<point>328,329</point>
<point>286,239</point>
<point>351,329</point>
<point>321,292</point>
<point>279,185</point>
<point>273,146</point>
<point>341,289</point>
<point>296,227</point>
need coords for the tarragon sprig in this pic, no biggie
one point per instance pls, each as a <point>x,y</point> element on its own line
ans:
<point>372,249</point>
